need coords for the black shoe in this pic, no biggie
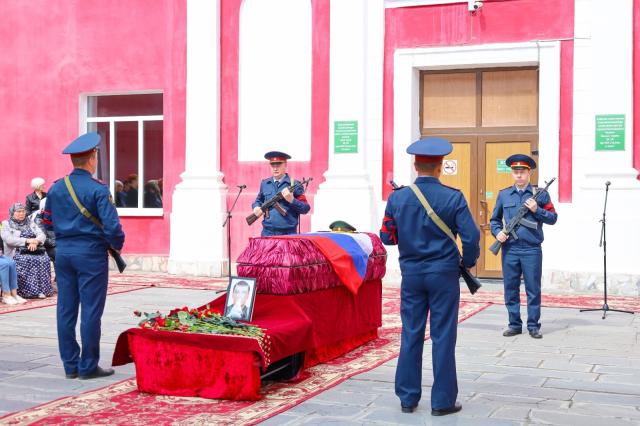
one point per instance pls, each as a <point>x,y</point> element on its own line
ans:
<point>535,334</point>
<point>510,332</point>
<point>444,411</point>
<point>98,372</point>
<point>71,375</point>
<point>408,408</point>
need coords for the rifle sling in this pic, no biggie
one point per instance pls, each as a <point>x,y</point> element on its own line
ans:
<point>86,213</point>
<point>433,215</point>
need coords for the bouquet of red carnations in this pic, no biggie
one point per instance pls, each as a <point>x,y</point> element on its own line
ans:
<point>205,321</point>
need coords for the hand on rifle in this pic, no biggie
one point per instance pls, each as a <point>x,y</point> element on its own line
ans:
<point>257,211</point>
<point>531,205</point>
<point>288,195</point>
<point>502,237</point>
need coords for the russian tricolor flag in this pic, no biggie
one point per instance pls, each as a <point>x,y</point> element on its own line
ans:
<point>348,254</point>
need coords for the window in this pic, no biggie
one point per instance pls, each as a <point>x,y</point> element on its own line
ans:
<point>130,156</point>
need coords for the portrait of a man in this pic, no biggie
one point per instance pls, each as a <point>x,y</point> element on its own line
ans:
<point>240,297</point>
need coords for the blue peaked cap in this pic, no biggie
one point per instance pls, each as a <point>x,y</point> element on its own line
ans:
<point>430,147</point>
<point>276,156</point>
<point>520,161</point>
<point>84,143</point>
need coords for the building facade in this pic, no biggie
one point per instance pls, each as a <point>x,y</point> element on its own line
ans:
<point>188,96</point>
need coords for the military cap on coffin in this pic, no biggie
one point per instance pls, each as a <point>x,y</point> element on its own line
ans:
<point>520,161</point>
<point>430,150</point>
<point>276,156</point>
<point>83,144</point>
<point>341,226</point>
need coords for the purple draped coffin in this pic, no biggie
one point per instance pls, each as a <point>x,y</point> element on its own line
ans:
<point>294,265</point>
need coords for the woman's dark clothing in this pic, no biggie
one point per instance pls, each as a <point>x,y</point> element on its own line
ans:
<point>34,271</point>
<point>33,202</point>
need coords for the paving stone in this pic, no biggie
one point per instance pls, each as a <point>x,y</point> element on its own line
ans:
<point>595,410</point>
<point>281,420</point>
<point>396,417</point>
<point>327,421</point>
<point>607,398</point>
<point>608,369</point>
<point>507,389</point>
<point>512,413</point>
<point>593,386</point>
<point>326,409</point>
<point>562,419</point>
<point>335,396</point>
<point>554,364</point>
<point>515,379</point>
<point>620,378</point>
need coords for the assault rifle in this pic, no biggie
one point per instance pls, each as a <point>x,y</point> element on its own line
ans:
<point>473,284</point>
<point>120,263</point>
<point>275,202</point>
<point>519,219</point>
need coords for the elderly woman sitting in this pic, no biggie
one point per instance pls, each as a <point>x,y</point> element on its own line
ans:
<point>23,242</point>
<point>33,200</point>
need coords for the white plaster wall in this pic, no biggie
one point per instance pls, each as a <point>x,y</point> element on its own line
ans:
<point>275,79</point>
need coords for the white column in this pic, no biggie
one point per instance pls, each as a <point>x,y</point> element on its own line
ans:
<point>347,192</point>
<point>201,183</point>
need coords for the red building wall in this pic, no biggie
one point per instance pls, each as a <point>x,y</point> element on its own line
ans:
<point>496,22</point>
<point>52,52</point>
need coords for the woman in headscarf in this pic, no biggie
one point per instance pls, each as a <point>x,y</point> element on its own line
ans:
<point>23,241</point>
<point>33,200</point>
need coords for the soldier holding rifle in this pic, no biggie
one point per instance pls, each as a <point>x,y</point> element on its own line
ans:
<point>521,249</point>
<point>283,218</point>
<point>416,218</point>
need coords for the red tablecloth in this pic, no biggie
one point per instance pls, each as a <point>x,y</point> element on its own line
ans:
<point>323,324</point>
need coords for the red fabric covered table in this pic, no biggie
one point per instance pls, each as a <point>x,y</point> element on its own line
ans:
<point>322,324</point>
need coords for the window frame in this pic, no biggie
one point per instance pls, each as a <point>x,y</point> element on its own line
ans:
<point>85,121</point>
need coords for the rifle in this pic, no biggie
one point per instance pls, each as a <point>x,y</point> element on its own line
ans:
<point>120,263</point>
<point>519,219</point>
<point>473,284</point>
<point>274,202</point>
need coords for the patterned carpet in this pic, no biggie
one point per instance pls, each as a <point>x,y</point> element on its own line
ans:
<point>121,403</point>
<point>122,283</point>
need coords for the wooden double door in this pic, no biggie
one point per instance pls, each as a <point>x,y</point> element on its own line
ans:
<point>488,115</point>
<point>477,167</point>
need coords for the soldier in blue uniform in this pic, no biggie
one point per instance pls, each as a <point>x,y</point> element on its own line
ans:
<point>295,203</point>
<point>429,262</point>
<point>81,258</point>
<point>522,256</point>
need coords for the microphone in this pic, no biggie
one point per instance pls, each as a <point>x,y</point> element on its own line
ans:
<point>607,183</point>
<point>242,186</point>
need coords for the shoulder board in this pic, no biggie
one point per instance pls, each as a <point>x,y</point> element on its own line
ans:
<point>57,180</point>
<point>398,188</point>
<point>451,187</point>
<point>266,179</point>
<point>98,180</point>
<point>508,187</point>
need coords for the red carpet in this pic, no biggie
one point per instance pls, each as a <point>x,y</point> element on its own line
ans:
<point>122,404</point>
<point>122,283</point>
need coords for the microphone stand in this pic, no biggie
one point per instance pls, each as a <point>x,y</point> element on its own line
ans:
<point>227,223</point>
<point>603,243</point>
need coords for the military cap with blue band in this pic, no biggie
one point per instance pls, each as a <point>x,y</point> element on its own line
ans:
<point>430,150</point>
<point>277,156</point>
<point>83,144</point>
<point>520,161</point>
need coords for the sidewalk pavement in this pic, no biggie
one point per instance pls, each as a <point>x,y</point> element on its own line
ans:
<point>585,371</point>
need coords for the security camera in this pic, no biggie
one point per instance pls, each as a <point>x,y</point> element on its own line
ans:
<point>474,5</point>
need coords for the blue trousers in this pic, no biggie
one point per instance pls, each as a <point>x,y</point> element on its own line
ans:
<point>526,261</point>
<point>267,232</point>
<point>439,295</point>
<point>82,281</point>
<point>8,274</point>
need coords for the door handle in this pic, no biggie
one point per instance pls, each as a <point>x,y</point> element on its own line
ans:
<point>484,213</point>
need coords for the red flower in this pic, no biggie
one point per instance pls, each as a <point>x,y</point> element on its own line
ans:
<point>137,313</point>
<point>183,328</point>
<point>160,322</point>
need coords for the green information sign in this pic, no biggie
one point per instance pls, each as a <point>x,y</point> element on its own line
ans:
<point>345,137</point>
<point>501,166</point>
<point>610,132</point>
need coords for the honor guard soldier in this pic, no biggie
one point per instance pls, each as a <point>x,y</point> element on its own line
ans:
<point>295,203</point>
<point>522,255</point>
<point>430,265</point>
<point>83,239</point>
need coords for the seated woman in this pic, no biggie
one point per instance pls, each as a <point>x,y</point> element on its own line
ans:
<point>23,242</point>
<point>33,200</point>
<point>9,281</point>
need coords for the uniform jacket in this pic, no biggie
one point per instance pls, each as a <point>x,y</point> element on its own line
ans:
<point>423,247</point>
<point>74,232</point>
<point>298,206</point>
<point>32,202</point>
<point>507,205</point>
<point>12,239</point>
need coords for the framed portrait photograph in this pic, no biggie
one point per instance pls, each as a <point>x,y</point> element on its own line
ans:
<point>241,295</point>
